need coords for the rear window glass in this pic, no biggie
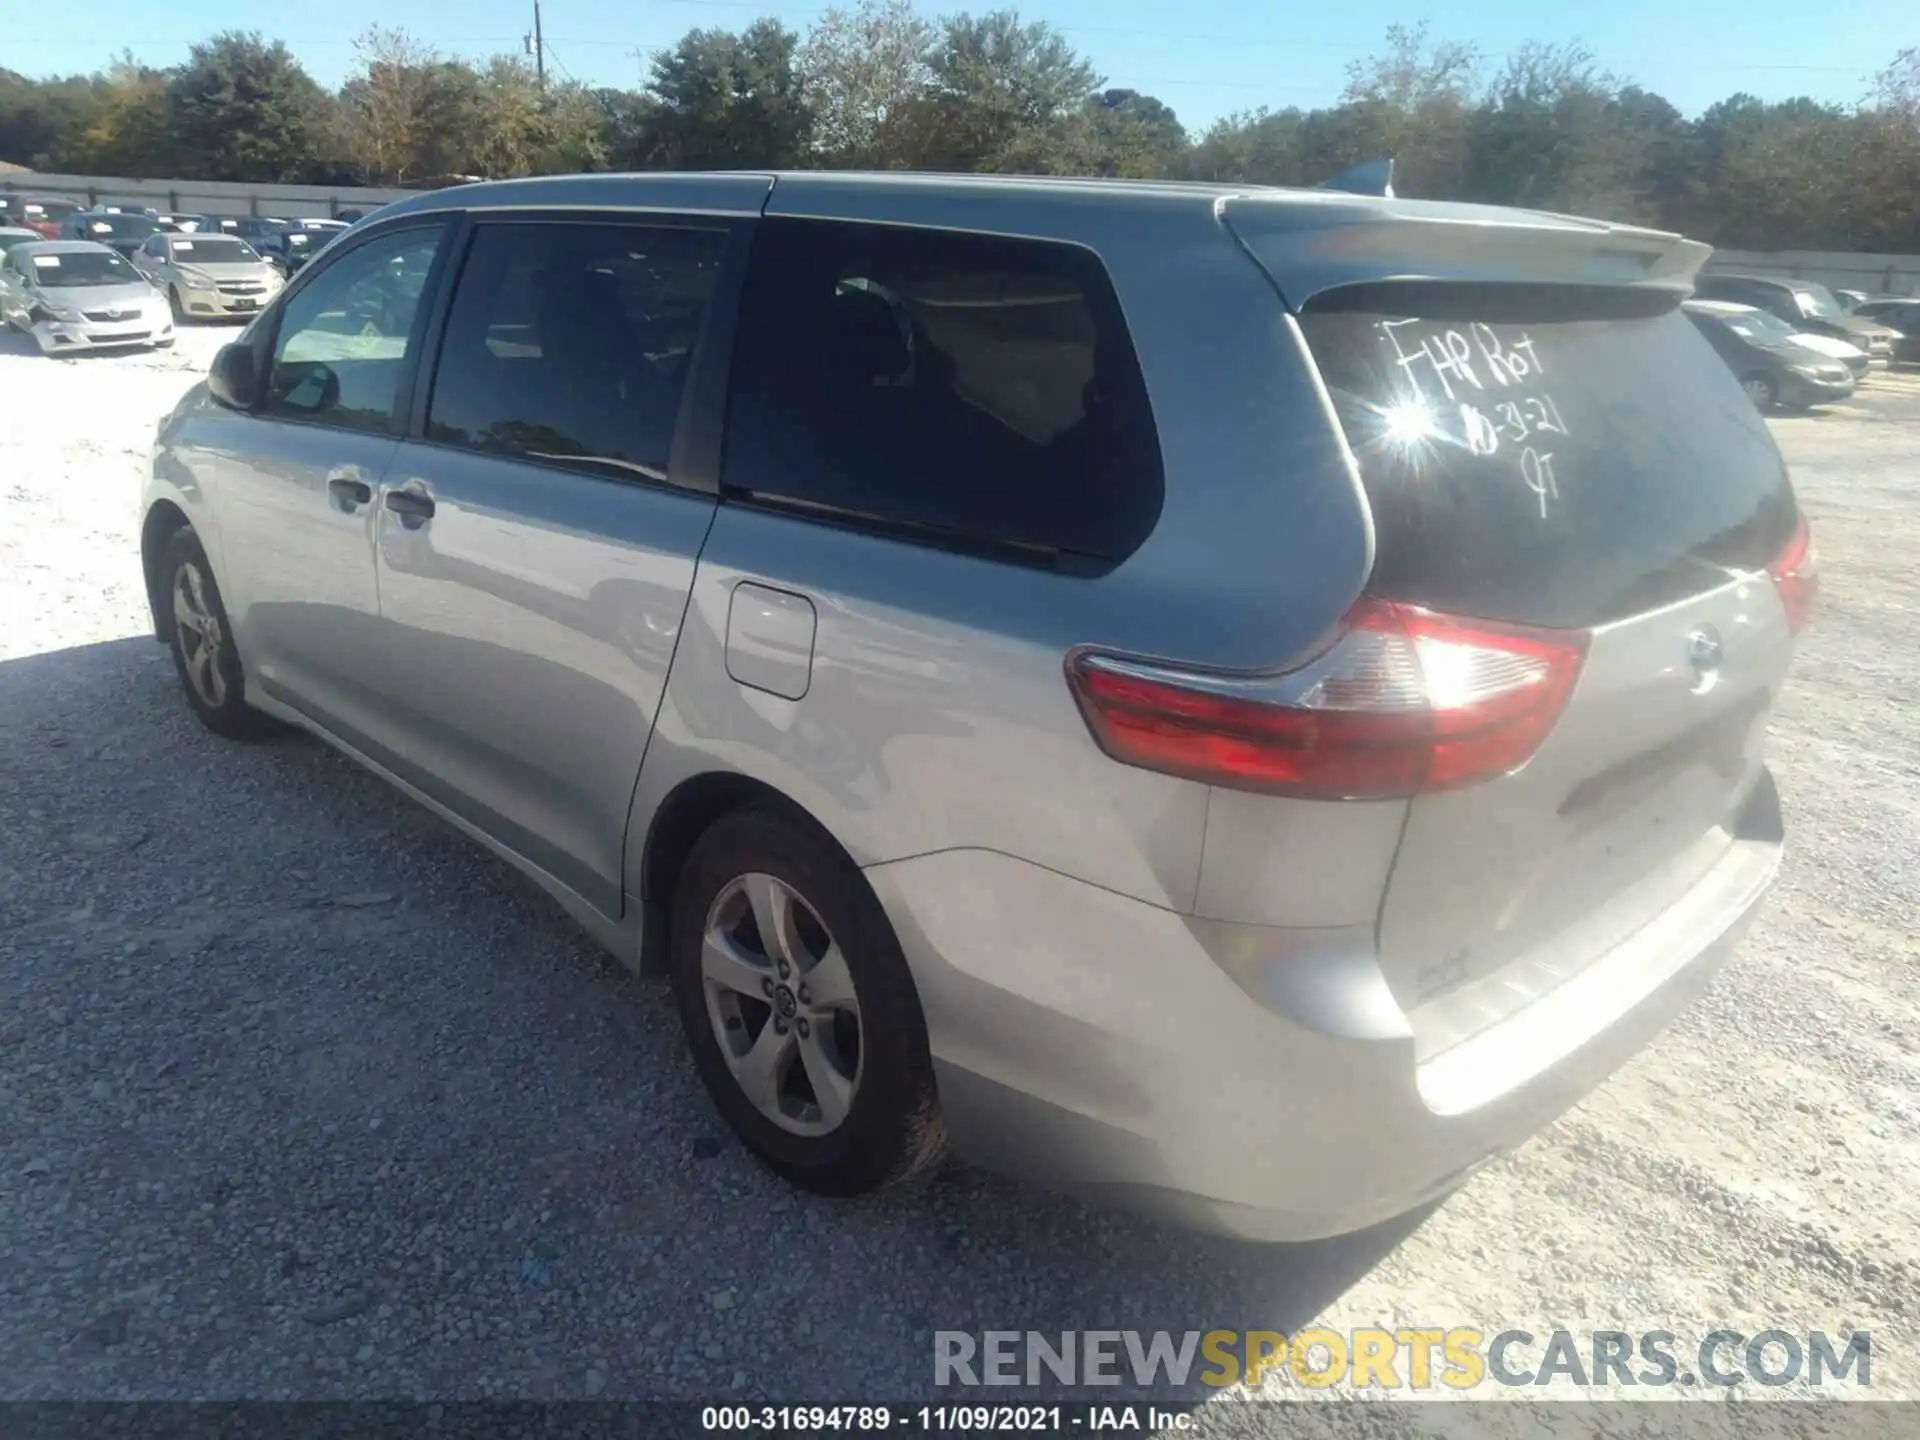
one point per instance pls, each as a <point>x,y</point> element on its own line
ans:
<point>957,390</point>
<point>1529,458</point>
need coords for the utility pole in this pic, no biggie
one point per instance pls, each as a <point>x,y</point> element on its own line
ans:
<point>539,49</point>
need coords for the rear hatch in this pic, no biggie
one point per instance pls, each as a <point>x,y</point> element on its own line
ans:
<point>1547,444</point>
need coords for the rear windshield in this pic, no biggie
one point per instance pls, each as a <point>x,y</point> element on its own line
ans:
<point>121,227</point>
<point>1547,457</point>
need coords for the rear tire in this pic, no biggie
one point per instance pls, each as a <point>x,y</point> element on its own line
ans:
<point>201,641</point>
<point>851,1107</point>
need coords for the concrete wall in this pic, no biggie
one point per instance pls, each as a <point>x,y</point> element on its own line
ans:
<point>203,197</point>
<point>1895,274</point>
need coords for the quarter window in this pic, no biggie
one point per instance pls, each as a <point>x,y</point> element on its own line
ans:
<point>960,390</point>
<point>570,344</point>
<point>346,338</point>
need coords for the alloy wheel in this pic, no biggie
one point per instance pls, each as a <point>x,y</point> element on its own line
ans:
<point>198,631</point>
<point>782,1004</point>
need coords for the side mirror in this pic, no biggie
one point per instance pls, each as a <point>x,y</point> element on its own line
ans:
<point>234,379</point>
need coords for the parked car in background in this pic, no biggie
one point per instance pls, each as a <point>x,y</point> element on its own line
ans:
<point>1902,313</point>
<point>1845,351</point>
<point>75,295</point>
<point>119,230</point>
<point>46,216</point>
<point>298,241</point>
<point>12,235</point>
<point>1017,701</point>
<point>1854,299</point>
<point>1803,305</point>
<point>252,227</point>
<point>1771,362</point>
<point>208,276</point>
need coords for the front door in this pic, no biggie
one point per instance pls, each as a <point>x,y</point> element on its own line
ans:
<point>300,478</point>
<point>537,545</point>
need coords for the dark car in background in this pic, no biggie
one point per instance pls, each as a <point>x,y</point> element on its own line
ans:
<point>1772,365</point>
<point>120,230</point>
<point>43,215</point>
<point>1804,305</point>
<point>1902,313</point>
<point>292,243</point>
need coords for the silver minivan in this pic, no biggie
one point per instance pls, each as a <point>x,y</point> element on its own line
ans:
<point>1237,701</point>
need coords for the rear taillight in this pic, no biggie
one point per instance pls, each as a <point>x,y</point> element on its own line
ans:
<point>1405,701</point>
<point>1796,577</point>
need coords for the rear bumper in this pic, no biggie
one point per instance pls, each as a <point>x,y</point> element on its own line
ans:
<point>1096,1043</point>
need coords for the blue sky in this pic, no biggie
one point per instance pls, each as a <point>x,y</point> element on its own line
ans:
<point>1206,58</point>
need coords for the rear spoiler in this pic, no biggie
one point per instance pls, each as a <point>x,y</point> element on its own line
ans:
<point>1312,241</point>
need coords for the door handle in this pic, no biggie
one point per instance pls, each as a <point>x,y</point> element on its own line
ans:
<point>410,504</point>
<point>351,493</point>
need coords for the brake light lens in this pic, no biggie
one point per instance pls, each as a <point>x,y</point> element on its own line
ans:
<point>1406,701</point>
<point>1796,577</point>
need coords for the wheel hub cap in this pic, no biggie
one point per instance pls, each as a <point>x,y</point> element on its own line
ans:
<point>198,633</point>
<point>782,1004</point>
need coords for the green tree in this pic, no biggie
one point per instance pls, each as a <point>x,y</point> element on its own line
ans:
<point>1412,102</point>
<point>729,100</point>
<point>1027,71</point>
<point>1883,168</point>
<point>1003,96</point>
<point>40,120</point>
<point>1260,147</point>
<point>857,68</point>
<point>1774,175</point>
<point>244,109</point>
<point>131,131</point>
<point>1547,137</point>
<point>1136,136</point>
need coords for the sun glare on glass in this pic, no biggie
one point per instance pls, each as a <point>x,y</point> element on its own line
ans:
<point>1408,423</point>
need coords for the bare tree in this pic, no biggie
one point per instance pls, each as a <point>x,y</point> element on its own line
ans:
<point>385,101</point>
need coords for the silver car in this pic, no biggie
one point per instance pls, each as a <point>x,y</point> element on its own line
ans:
<point>208,277</point>
<point>1115,678</point>
<point>74,295</point>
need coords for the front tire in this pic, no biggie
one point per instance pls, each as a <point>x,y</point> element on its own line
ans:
<point>799,1008</point>
<point>173,303</point>
<point>201,640</point>
<point>1761,390</point>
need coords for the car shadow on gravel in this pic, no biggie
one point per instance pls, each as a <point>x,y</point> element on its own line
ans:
<point>362,1113</point>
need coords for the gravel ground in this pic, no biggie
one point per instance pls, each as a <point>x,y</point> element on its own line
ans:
<point>303,1095</point>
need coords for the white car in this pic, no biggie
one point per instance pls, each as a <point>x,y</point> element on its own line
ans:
<point>73,295</point>
<point>1852,356</point>
<point>210,277</point>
